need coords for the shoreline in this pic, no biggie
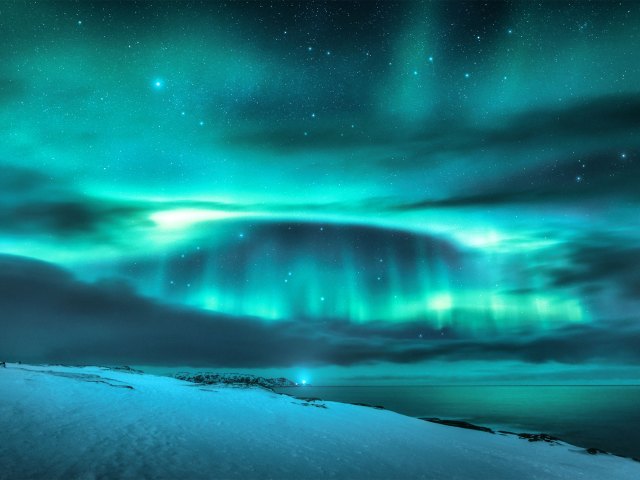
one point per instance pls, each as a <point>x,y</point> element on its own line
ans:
<point>514,428</point>
<point>96,422</point>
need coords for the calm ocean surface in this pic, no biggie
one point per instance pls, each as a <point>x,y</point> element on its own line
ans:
<point>605,417</point>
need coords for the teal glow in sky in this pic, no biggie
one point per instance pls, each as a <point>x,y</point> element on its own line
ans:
<point>377,186</point>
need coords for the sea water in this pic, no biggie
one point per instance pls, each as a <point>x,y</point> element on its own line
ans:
<point>604,417</point>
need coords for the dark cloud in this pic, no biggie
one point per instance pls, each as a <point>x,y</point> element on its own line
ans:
<point>16,181</point>
<point>602,263</point>
<point>49,316</point>
<point>601,116</point>
<point>616,342</point>
<point>32,203</point>
<point>595,176</point>
<point>616,118</point>
<point>65,218</point>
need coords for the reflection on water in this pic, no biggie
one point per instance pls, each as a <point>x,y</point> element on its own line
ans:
<point>605,417</point>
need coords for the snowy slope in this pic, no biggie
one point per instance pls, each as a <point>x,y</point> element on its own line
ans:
<point>74,422</point>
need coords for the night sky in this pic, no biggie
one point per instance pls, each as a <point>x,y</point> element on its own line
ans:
<point>432,192</point>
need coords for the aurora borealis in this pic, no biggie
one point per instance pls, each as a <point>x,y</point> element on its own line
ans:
<point>361,190</point>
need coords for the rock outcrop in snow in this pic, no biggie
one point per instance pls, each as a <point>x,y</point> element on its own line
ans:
<point>237,379</point>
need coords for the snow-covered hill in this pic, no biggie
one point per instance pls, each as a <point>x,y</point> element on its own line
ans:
<point>92,422</point>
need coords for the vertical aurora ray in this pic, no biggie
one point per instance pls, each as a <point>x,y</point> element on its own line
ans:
<point>314,272</point>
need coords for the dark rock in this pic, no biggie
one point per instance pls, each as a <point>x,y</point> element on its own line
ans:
<point>3,365</point>
<point>377,407</point>
<point>458,423</point>
<point>595,451</point>
<point>235,379</point>
<point>126,368</point>
<point>309,399</point>
<point>539,437</point>
<point>313,404</point>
